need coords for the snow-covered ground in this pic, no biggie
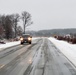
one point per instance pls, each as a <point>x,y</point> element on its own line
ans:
<point>10,44</point>
<point>69,50</point>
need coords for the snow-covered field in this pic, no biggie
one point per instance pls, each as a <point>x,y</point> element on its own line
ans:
<point>69,50</point>
<point>10,44</point>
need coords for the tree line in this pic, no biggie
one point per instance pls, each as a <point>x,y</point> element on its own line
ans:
<point>9,24</point>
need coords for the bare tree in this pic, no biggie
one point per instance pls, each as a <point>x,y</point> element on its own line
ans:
<point>15,20</point>
<point>1,27</point>
<point>8,27</point>
<point>19,30</point>
<point>1,31</point>
<point>2,20</point>
<point>26,18</point>
<point>9,24</point>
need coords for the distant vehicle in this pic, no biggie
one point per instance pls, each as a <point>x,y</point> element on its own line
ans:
<point>26,38</point>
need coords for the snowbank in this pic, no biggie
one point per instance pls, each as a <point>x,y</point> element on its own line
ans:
<point>69,50</point>
<point>10,44</point>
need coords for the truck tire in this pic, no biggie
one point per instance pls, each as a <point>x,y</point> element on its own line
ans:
<point>30,42</point>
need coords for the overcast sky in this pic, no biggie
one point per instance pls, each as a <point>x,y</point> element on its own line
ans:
<point>46,14</point>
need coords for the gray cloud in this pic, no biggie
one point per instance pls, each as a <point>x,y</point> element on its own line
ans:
<point>46,14</point>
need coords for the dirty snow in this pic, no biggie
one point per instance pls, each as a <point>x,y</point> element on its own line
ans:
<point>69,50</point>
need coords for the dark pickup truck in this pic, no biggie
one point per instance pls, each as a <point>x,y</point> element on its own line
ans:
<point>26,38</point>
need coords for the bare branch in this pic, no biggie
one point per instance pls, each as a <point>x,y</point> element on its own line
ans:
<point>26,18</point>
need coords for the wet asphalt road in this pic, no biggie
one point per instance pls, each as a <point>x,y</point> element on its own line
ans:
<point>39,58</point>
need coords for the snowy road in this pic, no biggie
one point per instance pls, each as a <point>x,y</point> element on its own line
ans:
<point>39,58</point>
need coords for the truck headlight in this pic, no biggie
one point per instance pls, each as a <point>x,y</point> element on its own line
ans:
<point>29,38</point>
<point>21,39</point>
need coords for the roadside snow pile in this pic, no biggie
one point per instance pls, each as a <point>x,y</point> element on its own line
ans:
<point>9,44</point>
<point>69,50</point>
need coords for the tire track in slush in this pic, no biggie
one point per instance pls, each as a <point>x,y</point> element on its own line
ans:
<point>11,65</point>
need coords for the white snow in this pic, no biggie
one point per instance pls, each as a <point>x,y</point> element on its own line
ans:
<point>9,44</point>
<point>69,50</point>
